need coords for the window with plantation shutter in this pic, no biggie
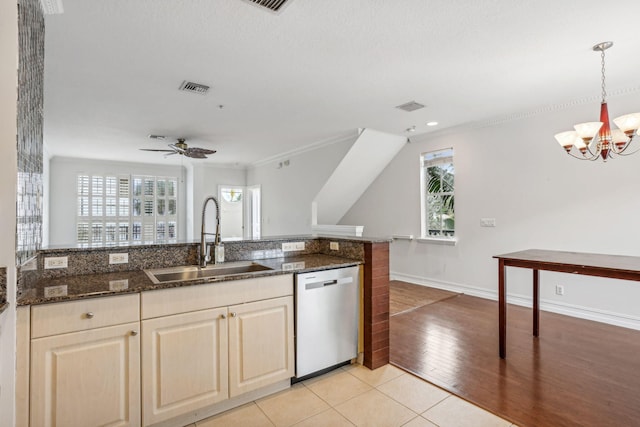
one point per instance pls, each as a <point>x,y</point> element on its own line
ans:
<point>121,210</point>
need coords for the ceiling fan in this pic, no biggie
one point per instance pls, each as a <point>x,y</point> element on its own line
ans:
<point>180,147</point>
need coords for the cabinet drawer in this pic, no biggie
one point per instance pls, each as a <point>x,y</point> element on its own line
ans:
<point>72,316</point>
<point>166,302</point>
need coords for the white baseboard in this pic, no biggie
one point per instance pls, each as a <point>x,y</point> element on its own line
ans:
<point>588,313</point>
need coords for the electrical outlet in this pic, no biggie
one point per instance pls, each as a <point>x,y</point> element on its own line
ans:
<point>118,285</point>
<point>121,258</point>
<point>334,246</point>
<point>290,266</point>
<point>55,262</point>
<point>559,290</point>
<point>293,246</point>
<point>55,291</point>
<point>487,222</point>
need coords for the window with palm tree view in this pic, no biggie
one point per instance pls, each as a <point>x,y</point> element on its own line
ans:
<point>437,177</point>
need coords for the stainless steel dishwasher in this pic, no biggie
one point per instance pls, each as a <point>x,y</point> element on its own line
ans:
<point>326,319</point>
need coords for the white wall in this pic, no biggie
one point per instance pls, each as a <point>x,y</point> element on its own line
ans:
<point>205,180</point>
<point>8,174</point>
<point>368,156</point>
<point>62,192</point>
<point>541,198</point>
<point>287,191</point>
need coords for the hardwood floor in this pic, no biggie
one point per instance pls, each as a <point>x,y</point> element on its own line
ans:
<point>405,296</point>
<point>577,373</point>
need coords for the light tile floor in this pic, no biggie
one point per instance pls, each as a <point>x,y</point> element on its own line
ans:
<point>356,396</point>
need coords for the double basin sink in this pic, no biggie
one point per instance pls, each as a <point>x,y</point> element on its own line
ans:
<point>193,272</point>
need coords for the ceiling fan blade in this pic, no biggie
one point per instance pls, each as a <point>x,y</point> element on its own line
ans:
<point>177,149</point>
<point>170,154</point>
<point>154,149</point>
<point>200,150</point>
<point>194,155</point>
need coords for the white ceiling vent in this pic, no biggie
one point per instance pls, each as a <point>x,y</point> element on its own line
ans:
<point>410,106</point>
<point>272,5</point>
<point>194,87</point>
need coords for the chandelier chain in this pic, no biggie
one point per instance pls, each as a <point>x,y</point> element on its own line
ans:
<point>604,90</point>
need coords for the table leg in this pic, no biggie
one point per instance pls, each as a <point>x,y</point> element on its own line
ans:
<point>536,303</point>
<point>502,304</point>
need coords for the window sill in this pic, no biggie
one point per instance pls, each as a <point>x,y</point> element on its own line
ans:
<point>448,241</point>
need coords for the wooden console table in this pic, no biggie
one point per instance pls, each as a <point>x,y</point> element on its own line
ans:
<point>610,266</point>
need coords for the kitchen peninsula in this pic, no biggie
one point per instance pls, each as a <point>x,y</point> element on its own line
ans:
<point>90,278</point>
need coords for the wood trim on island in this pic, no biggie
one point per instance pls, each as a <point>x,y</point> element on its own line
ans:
<point>376,304</point>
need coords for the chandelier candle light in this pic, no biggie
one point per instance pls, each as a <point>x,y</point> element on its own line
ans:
<point>597,139</point>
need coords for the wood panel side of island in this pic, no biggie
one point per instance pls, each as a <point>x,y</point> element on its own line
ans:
<point>376,304</point>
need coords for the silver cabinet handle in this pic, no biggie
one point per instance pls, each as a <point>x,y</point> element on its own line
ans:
<point>89,315</point>
<point>233,314</point>
<point>222,316</point>
<point>134,333</point>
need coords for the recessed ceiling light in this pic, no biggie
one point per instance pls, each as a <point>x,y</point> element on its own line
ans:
<point>410,129</point>
<point>432,124</point>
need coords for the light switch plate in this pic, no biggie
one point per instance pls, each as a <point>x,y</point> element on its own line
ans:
<point>121,258</point>
<point>487,222</point>
<point>56,262</point>
<point>334,246</point>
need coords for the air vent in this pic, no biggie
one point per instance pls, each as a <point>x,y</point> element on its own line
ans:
<point>410,106</point>
<point>272,5</point>
<point>194,87</point>
<point>160,137</point>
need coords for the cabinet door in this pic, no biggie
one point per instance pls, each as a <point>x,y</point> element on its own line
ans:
<point>260,344</point>
<point>88,378</point>
<point>184,363</point>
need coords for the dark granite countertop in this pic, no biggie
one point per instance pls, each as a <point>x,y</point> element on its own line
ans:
<point>67,288</point>
<point>71,248</point>
<point>3,306</point>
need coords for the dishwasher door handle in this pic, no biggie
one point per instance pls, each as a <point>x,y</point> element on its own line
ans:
<point>316,285</point>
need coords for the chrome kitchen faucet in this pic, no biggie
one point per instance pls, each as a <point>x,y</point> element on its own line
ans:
<point>218,248</point>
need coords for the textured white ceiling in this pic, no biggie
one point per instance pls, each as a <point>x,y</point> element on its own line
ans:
<point>318,70</point>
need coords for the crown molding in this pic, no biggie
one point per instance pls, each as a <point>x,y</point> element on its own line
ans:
<point>351,135</point>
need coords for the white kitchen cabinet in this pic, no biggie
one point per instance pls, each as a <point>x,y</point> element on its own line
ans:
<point>260,344</point>
<point>85,363</point>
<point>212,343</point>
<point>158,357</point>
<point>184,363</point>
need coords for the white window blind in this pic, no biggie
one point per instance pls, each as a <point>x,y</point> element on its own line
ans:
<point>119,210</point>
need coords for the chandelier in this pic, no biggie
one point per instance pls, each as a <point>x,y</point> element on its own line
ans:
<point>598,139</point>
